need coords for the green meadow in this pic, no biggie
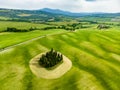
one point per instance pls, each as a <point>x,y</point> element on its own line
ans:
<point>19,25</point>
<point>11,38</point>
<point>95,56</point>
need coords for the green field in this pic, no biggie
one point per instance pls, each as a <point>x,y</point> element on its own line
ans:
<point>8,39</point>
<point>19,25</point>
<point>95,55</point>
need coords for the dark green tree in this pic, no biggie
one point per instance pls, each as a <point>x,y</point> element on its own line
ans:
<point>50,59</point>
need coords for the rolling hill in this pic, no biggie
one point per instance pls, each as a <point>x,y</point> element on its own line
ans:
<point>94,55</point>
<point>47,14</point>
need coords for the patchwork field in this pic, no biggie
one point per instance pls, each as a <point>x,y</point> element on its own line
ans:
<point>95,56</point>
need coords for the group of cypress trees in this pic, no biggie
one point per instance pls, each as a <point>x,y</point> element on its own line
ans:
<point>50,59</point>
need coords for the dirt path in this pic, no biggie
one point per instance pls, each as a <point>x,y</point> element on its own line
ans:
<point>57,72</point>
<point>12,46</point>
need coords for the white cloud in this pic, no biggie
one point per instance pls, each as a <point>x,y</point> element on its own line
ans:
<point>69,5</point>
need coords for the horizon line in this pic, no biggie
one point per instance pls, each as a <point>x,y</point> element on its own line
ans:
<point>58,9</point>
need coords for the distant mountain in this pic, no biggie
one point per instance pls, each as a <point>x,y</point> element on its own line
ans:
<point>47,14</point>
<point>99,14</point>
<point>58,11</point>
<point>29,15</point>
<point>55,11</point>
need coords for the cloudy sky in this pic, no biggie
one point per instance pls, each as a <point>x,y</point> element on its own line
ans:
<point>67,5</point>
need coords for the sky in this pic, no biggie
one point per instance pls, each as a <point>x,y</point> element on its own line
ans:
<point>66,5</point>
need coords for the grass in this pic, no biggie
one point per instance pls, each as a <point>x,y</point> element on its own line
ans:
<point>19,25</point>
<point>23,15</point>
<point>4,18</point>
<point>8,39</point>
<point>94,55</point>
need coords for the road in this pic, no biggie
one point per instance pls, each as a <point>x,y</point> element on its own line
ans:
<point>12,46</point>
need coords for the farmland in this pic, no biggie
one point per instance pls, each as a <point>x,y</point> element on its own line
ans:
<point>91,41</point>
<point>94,55</point>
<point>15,38</point>
<point>19,25</point>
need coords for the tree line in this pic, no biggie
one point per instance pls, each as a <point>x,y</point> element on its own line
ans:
<point>13,29</point>
<point>71,27</point>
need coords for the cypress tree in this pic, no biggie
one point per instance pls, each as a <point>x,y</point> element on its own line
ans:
<point>50,59</point>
